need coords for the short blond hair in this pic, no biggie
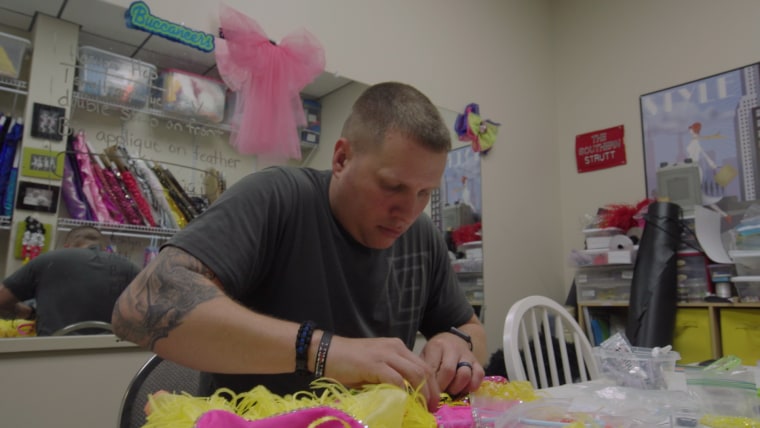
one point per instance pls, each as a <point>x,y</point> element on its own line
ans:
<point>84,236</point>
<point>394,106</point>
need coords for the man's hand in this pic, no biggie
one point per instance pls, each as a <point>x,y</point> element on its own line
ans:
<point>457,369</point>
<point>356,362</point>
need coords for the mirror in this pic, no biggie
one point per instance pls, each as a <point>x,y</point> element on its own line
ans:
<point>189,147</point>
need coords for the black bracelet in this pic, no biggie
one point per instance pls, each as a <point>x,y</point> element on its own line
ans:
<point>464,336</point>
<point>303,340</point>
<point>324,346</point>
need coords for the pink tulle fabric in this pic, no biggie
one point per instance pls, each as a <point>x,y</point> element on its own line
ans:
<point>315,417</point>
<point>267,80</point>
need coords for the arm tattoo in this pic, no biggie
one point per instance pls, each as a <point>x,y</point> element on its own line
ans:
<point>176,285</point>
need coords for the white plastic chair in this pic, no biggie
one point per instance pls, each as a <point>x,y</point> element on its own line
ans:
<point>537,320</point>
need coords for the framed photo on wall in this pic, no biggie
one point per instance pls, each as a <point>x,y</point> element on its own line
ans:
<point>47,122</point>
<point>712,123</point>
<point>37,197</point>
<point>41,163</point>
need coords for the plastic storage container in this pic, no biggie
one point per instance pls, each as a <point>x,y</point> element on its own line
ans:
<point>609,283</point>
<point>12,50</point>
<point>747,262</point>
<point>472,285</point>
<point>642,368</point>
<point>313,111</point>
<point>192,96</point>
<point>114,78</point>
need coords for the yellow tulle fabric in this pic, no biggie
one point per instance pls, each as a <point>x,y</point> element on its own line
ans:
<point>518,390</point>
<point>718,421</point>
<point>376,406</point>
<point>17,328</point>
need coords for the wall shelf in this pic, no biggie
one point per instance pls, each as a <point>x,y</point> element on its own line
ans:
<point>128,230</point>
<point>81,100</point>
<point>15,86</point>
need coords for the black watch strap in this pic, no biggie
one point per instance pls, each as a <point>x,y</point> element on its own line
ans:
<point>464,336</point>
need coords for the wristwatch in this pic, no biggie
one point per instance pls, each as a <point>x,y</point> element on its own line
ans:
<point>464,336</point>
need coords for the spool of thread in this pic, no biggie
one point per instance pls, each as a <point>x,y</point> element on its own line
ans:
<point>621,242</point>
<point>723,289</point>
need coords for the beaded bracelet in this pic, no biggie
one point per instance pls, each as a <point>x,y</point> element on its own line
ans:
<point>324,346</point>
<point>303,340</point>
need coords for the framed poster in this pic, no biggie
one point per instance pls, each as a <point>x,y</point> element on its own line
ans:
<point>461,179</point>
<point>37,197</point>
<point>47,122</point>
<point>41,163</point>
<point>711,123</point>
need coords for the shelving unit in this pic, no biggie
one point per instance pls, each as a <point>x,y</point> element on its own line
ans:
<point>127,230</point>
<point>192,126</point>
<point>14,86</point>
<point>700,328</point>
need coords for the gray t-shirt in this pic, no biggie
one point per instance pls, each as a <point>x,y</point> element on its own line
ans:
<point>72,285</point>
<point>274,244</point>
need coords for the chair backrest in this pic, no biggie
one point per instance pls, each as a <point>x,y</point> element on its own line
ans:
<point>155,375</point>
<point>535,332</point>
<point>85,327</point>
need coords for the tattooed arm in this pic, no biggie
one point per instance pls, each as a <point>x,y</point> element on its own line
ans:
<point>177,309</point>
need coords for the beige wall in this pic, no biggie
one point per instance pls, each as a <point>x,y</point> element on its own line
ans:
<point>66,382</point>
<point>609,53</point>
<point>493,52</point>
<point>547,70</point>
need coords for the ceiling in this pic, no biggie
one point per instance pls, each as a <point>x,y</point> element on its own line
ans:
<point>102,26</point>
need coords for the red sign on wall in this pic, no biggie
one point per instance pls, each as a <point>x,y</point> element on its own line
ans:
<point>600,149</point>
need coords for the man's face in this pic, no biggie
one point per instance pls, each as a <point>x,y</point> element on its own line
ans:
<point>377,194</point>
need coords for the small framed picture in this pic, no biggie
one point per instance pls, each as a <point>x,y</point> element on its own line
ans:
<point>37,197</point>
<point>41,163</point>
<point>47,122</point>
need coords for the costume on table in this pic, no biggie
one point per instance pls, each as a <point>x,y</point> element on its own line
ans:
<point>88,279</point>
<point>278,249</point>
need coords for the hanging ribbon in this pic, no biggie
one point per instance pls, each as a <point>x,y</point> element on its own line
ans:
<point>469,126</point>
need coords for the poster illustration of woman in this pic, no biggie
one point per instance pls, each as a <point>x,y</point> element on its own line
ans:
<point>461,179</point>
<point>710,122</point>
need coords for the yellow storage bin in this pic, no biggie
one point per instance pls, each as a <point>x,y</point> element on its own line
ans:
<point>691,335</point>
<point>740,334</point>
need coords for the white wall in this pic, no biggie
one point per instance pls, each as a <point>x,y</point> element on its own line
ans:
<point>610,52</point>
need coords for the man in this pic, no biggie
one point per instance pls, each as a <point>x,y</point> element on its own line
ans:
<point>79,282</point>
<point>347,249</point>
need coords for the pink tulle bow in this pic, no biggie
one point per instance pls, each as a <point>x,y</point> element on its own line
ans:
<point>268,79</point>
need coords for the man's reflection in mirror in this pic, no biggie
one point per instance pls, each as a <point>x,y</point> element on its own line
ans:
<point>76,283</point>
